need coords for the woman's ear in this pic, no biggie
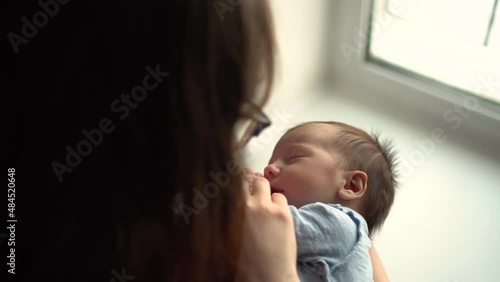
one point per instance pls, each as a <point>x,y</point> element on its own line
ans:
<point>355,186</point>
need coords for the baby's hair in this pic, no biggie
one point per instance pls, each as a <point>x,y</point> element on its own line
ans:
<point>358,150</point>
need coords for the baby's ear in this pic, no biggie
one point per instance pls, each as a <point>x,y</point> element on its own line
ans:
<point>355,186</point>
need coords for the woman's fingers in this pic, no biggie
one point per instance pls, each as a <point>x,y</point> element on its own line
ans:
<point>261,189</point>
<point>279,199</point>
<point>270,248</point>
<point>247,189</point>
<point>249,176</point>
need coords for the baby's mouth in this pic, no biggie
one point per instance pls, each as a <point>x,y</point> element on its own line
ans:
<point>276,190</point>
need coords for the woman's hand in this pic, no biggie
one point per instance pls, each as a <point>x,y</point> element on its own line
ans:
<point>379,274</point>
<point>269,244</point>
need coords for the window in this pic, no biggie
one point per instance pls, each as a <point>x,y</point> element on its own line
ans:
<point>455,44</point>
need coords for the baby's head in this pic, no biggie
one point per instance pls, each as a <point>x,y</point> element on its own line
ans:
<point>332,162</point>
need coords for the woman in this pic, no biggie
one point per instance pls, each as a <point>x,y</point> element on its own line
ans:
<point>132,109</point>
<point>130,129</point>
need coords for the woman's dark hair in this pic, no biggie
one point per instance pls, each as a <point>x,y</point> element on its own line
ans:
<point>147,94</point>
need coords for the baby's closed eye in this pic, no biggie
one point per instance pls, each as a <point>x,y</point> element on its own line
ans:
<point>295,157</point>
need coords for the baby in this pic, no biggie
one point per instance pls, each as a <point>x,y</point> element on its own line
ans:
<point>340,184</point>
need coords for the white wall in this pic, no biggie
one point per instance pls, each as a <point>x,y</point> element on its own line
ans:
<point>445,223</point>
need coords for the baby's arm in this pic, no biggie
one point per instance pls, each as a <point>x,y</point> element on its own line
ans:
<point>322,231</point>
<point>326,236</point>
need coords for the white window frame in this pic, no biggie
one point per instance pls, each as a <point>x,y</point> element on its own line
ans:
<point>351,22</point>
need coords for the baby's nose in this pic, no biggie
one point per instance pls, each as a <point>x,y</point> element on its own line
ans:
<point>271,171</point>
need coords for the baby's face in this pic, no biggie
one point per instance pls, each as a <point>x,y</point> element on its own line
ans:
<point>303,169</point>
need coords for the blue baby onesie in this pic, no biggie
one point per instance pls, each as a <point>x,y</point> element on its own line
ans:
<point>332,244</point>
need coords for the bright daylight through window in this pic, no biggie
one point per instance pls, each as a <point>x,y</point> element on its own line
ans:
<point>455,43</point>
